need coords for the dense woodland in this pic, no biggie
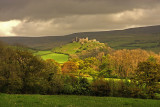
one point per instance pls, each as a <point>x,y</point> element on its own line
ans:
<point>132,73</point>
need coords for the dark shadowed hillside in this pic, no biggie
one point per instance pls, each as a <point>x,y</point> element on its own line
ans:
<point>142,37</point>
<point>40,43</point>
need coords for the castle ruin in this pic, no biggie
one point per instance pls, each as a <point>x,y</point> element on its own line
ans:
<point>83,40</point>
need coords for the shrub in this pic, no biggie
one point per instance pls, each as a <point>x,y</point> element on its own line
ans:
<point>82,88</point>
<point>74,85</point>
<point>111,87</point>
<point>119,88</point>
<point>100,87</point>
<point>70,82</point>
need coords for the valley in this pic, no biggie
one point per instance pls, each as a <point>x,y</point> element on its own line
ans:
<point>42,69</point>
<point>79,53</point>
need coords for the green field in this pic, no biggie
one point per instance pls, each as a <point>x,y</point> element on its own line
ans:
<point>40,53</point>
<point>60,58</point>
<point>73,101</point>
<point>70,48</point>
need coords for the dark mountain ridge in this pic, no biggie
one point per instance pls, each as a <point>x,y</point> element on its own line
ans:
<point>147,34</point>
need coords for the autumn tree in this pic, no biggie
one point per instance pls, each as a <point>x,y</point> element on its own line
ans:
<point>125,61</point>
<point>88,66</point>
<point>147,76</point>
<point>69,67</point>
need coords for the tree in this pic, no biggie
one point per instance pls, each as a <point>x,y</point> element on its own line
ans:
<point>89,66</point>
<point>147,76</point>
<point>10,75</point>
<point>106,67</point>
<point>69,67</point>
<point>125,61</point>
<point>52,75</point>
<point>22,72</point>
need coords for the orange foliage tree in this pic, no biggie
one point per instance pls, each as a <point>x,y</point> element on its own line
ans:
<point>126,61</point>
<point>69,67</point>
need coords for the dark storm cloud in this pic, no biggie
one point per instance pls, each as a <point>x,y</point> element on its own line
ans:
<point>49,9</point>
<point>60,17</point>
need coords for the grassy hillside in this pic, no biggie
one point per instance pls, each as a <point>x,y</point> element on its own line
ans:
<point>40,53</point>
<point>60,58</point>
<point>70,48</point>
<point>77,47</point>
<point>144,37</point>
<point>72,101</point>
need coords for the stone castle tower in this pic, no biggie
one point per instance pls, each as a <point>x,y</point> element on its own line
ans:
<point>83,40</point>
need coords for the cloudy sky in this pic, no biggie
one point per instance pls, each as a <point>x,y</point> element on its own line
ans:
<point>61,17</point>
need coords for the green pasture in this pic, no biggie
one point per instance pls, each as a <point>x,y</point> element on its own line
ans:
<point>40,53</point>
<point>70,48</point>
<point>60,58</point>
<point>7,100</point>
<point>90,79</point>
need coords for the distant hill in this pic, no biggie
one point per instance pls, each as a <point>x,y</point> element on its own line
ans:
<point>39,43</point>
<point>142,37</point>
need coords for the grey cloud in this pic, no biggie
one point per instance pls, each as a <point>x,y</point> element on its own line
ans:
<point>61,17</point>
<point>83,23</point>
<point>49,9</point>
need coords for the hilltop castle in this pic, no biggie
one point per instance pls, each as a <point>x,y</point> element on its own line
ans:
<point>83,40</point>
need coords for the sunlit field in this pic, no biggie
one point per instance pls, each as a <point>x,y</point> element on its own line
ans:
<point>60,58</point>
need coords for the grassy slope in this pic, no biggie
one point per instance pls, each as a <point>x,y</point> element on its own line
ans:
<point>75,47</point>
<point>40,53</point>
<point>146,43</point>
<point>60,58</point>
<point>70,48</point>
<point>72,101</point>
